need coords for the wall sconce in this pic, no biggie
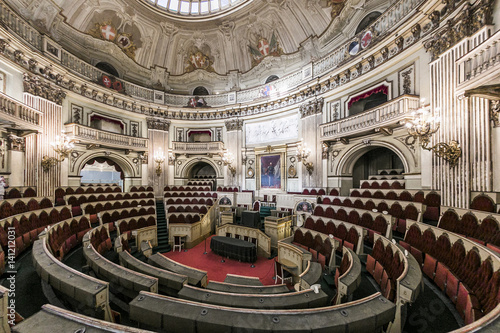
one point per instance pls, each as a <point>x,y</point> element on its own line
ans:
<point>303,154</point>
<point>423,125</point>
<point>171,158</point>
<point>63,146</point>
<point>159,159</point>
<point>228,159</point>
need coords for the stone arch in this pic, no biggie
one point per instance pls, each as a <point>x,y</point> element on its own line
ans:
<point>188,166</point>
<point>129,171</point>
<point>349,158</point>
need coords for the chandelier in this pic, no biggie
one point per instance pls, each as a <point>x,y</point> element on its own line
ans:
<point>423,125</point>
<point>303,153</point>
<point>159,158</point>
<point>228,159</point>
<point>63,146</point>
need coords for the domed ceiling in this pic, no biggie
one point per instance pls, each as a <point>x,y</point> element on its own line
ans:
<point>177,37</point>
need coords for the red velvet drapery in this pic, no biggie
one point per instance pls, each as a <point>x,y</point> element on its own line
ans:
<point>382,88</point>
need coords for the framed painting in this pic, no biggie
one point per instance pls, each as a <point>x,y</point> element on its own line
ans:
<point>271,172</point>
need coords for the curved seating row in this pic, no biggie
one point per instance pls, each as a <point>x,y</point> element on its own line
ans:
<point>314,191</point>
<point>114,215</point>
<point>60,192</point>
<point>16,206</point>
<point>158,312</point>
<point>401,210</point>
<point>169,282</point>
<point>20,192</point>
<point>484,203</point>
<point>199,183</point>
<point>133,223</point>
<point>79,199</point>
<point>244,289</point>
<point>128,281</point>
<point>27,226</point>
<point>189,188</point>
<point>347,234</point>
<point>183,218</point>
<point>84,289</point>
<point>347,275</point>
<point>385,177</point>
<point>383,184</point>
<point>467,272</point>
<point>373,222</point>
<point>189,194</point>
<point>321,247</point>
<point>201,209</point>
<point>66,235</point>
<point>196,277</point>
<point>141,189</point>
<point>94,208</point>
<point>480,226</point>
<point>228,189</point>
<point>293,300</point>
<point>188,201</point>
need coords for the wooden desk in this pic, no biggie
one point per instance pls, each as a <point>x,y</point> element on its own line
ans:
<point>290,266</point>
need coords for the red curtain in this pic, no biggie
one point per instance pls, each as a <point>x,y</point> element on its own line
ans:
<point>109,162</point>
<point>113,121</point>
<point>199,132</point>
<point>383,89</point>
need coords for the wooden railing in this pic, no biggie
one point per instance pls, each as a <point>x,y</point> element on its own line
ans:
<point>19,113</point>
<point>198,147</point>
<point>91,135</point>
<point>386,114</point>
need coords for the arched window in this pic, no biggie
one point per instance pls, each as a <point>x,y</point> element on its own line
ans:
<point>200,91</point>
<point>108,68</point>
<point>271,78</point>
<point>366,21</point>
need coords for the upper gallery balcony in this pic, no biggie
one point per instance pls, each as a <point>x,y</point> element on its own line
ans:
<point>19,114</point>
<point>384,117</point>
<point>211,147</point>
<point>92,136</point>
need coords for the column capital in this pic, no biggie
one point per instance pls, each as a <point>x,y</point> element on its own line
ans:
<point>158,124</point>
<point>234,125</point>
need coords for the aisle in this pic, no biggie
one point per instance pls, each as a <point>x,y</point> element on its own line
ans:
<point>216,270</point>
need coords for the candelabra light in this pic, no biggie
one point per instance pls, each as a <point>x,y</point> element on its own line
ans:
<point>63,146</point>
<point>303,154</point>
<point>228,159</point>
<point>423,125</point>
<point>159,159</point>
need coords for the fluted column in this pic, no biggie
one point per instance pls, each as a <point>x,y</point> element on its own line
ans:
<point>311,118</point>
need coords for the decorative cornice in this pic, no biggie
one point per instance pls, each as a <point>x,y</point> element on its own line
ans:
<point>38,87</point>
<point>158,124</point>
<point>234,125</point>
<point>312,107</point>
<point>471,19</point>
<point>16,143</point>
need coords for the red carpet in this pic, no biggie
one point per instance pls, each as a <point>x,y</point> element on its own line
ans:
<point>216,270</point>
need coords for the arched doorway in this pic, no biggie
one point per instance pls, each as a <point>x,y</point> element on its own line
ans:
<point>101,170</point>
<point>369,163</point>
<point>202,170</point>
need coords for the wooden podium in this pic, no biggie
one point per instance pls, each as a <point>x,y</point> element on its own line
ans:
<point>278,228</point>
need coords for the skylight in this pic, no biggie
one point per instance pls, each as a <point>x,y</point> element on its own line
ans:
<point>195,8</point>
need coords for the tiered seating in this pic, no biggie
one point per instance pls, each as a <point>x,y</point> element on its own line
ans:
<point>479,226</point>
<point>80,199</point>
<point>11,207</point>
<point>468,273</point>
<point>66,235</point>
<point>200,183</point>
<point>383,184</point>
<point>184,218</point>
<point>60,192</point>
<point>160,312</point>
<point>111,216</point>
<point>186,188</point>
<point>190,194</point>
<point>347,234</point>
<point>228,189</point>
<point>141,189</point>
<point>303,299</point>
<point>28,225</point>
<point>431,199</point>
<point>95,208</point>
<point>189,201</point>
<point>400,210</point>
<point>485,203</point>
<point>196,277</point>
<point>20,192</point>
<point>314,191</point>
<point>127,225</point>
<point>96,242</point>
<point>181,208</point>
<point>347,275</point>
<point>187,204</point>
<point>374,222</point>
<point>386,266</point>
<point>318,244</point>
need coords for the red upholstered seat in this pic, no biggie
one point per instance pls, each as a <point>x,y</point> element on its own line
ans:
<point>377,275</point>
<point>441,274</point>
<point>429,266</point>
<point>452,286</point>
<point>370,264</point>
<point>417,254</point>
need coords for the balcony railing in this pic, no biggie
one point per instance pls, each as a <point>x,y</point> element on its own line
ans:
<point>197,147</point>
<point>387,114</point>
<point>19,113</point>
<point>479,62</point>
<point>88,135</point>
